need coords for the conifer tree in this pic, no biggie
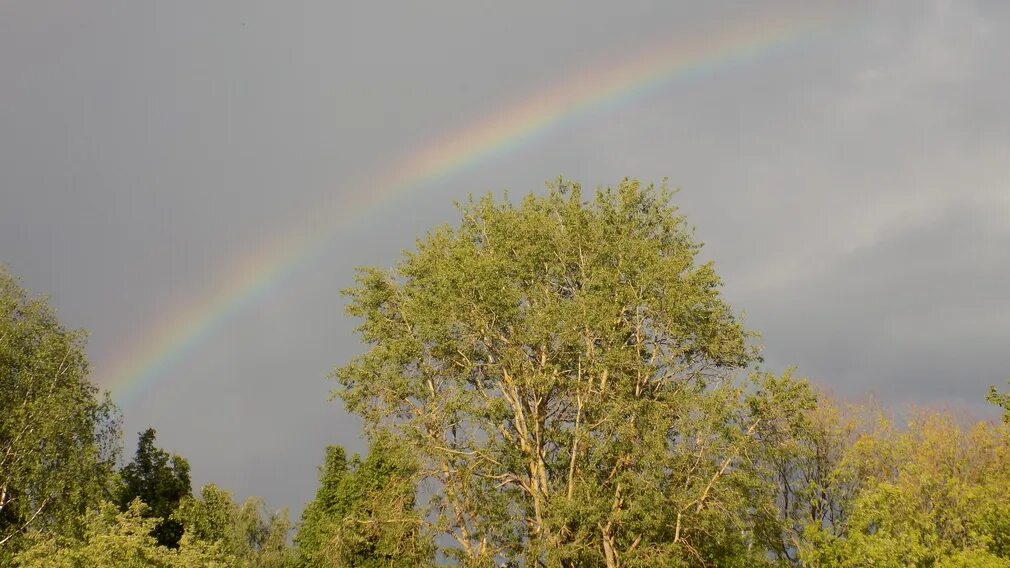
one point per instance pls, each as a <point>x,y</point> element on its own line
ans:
<point>160,480</point>
<point>363,514</point>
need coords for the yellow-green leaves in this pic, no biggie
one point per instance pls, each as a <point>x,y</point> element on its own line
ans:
<point>58,434</point>
<point>114,539</point>
<point>363,514</point>
<point>1002,400</point>
<point>561,369</point>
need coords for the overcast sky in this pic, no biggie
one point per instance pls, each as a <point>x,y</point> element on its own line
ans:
<point>853,188</point>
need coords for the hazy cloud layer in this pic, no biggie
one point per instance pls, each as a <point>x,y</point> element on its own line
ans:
<point>854,190</point>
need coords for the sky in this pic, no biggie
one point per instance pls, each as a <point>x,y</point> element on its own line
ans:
<point>851,183</point>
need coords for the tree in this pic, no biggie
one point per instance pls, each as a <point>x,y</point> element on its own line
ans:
<point>59,435</point>
<point>1001,400</point>
<point>817,455</point>
<point>117,539</point>
<point>941,501</point>
<point>363,514</point>
<point>562,371</point>
<point>161,481</point>
<point>312,532</point>
<point>252,538</point>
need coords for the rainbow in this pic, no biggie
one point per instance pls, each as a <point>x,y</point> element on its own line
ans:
<point>615,83</point>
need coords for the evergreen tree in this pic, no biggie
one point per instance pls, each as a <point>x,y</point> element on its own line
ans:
<point>160,480</point>
<point>318,513</point>
<point>363,514</point>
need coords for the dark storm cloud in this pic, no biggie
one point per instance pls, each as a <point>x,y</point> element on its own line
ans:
<point>918,316</point>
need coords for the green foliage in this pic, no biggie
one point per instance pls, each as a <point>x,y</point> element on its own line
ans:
<point>161,481</point>
<point>58,435</point>
<point>363,514</point>
<point>1001,400</point>
<point>563,372</point>
<point>59,441</point>
<point>119,539</point>
<point>251,537</point>
<point>322,511</point>
<point>562,369</point>
<point>817,458</point>
<point>942,501</point>
<point>551,383</point>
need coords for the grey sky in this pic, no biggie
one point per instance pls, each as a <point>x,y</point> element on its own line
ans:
<point>854,190</point>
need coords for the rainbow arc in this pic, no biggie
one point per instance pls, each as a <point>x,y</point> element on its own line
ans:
<point>614,83</point>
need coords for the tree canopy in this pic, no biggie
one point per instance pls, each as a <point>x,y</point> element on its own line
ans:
<point>117,539</point>
<point>364,512</point>
<point>562,370</point>
<point>58,433</point>
<point>556,382</point>
<point>250,536</point>
<point>576,392</point>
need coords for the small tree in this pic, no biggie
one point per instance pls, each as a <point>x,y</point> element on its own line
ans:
<point>363,514</point>
<point>249,535</point>
<point>312,532</point>
<point>161,481</point>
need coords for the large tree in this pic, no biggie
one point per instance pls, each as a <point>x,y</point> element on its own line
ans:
<point>160,480</point>
<point>562,370</point>
<point>58,433</point>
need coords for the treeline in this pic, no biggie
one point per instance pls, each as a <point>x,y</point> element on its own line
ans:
<point>556,382</point>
